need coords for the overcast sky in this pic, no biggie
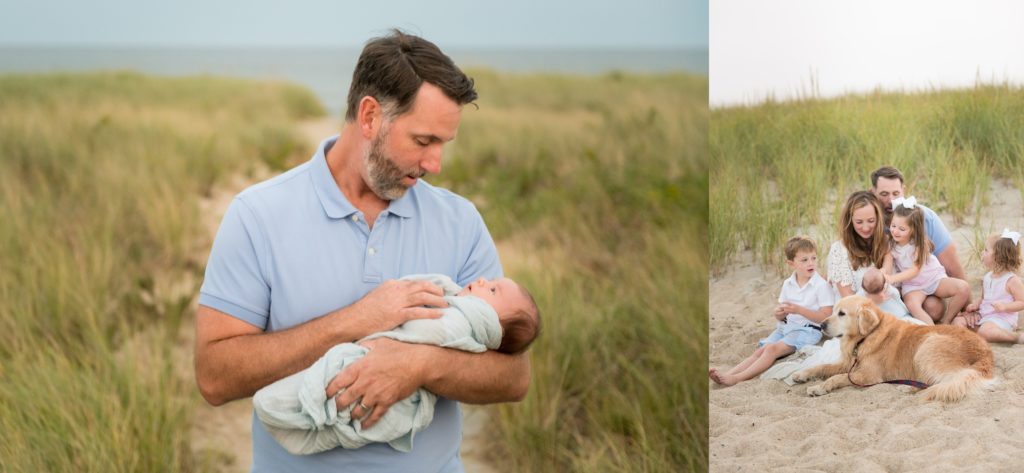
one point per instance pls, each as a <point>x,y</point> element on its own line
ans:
<point>449,23</point>
<point>775,47</point>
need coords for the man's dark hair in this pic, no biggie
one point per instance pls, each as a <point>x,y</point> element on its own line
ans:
<point>392,68</point>
<point>887,172</point>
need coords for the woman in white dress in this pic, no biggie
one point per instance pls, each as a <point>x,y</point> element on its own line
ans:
<point>862,243</point>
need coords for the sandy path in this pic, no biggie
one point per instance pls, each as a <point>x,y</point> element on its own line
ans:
<point>221,436</point>
<point>762,425</point>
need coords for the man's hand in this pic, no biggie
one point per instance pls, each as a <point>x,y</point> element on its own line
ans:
<point>388,373</point>
<point>396,302</point>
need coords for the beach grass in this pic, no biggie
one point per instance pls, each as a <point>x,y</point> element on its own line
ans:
<point>599,187</point>
<point>596,189</point>
<point>100,178</point>
<point>782,168</point>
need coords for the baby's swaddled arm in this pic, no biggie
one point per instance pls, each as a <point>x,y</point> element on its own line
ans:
<point>426,331</point>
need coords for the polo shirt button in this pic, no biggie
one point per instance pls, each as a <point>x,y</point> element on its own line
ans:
<point>372,251</point>
<point>355,218</point>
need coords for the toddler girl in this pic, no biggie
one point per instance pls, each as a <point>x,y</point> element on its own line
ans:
<point>916,268</point>
<point>1002,293</point>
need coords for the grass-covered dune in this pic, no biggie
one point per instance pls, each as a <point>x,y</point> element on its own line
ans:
<point>781,167</point>
<point>595,188</point>
<point>600,186</point>
<point>100,178</point>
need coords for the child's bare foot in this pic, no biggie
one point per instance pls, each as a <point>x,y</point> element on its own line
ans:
<point>713,374</point>
<point>721,379</point>
<point>726,379</point>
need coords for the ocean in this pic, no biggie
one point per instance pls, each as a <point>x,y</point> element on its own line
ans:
<point>327,71</point>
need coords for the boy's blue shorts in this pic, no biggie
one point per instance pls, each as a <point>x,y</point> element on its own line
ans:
<point>794,335</point>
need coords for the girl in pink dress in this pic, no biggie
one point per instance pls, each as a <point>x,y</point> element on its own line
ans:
<point>1002,293</point>
<point>911,264</point>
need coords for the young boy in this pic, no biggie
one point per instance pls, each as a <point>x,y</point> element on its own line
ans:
<point>805,301</point>
<point>487,314</point>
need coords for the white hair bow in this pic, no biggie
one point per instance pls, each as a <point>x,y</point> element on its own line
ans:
<point>907,203</point>
<point>1013,236</point>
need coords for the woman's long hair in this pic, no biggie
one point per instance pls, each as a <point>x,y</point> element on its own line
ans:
<point>863,252</point>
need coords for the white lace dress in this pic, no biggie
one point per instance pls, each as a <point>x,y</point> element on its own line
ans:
<point>841,272</point>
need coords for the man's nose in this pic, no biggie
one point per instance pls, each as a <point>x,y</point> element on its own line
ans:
<point>432,162</point>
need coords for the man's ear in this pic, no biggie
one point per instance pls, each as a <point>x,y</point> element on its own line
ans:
<point>867,318</point>
<point>369,117</point>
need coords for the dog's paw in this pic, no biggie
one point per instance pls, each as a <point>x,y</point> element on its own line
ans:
<point>818,390</point>
<point>801,377</point>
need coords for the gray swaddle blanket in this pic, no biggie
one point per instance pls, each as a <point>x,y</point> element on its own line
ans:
<point>297,412</point>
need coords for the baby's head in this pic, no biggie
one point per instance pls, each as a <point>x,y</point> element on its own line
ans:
<point>873,281</point>
<point>1002,253</point>
<point>517,311</point>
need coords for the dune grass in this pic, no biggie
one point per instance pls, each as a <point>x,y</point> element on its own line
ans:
<point>783,167</point>
<point>595,187</point>
<point>600,186</point>
<point>100,176</point>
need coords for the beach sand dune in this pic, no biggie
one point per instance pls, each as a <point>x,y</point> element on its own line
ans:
<point>767,425</point>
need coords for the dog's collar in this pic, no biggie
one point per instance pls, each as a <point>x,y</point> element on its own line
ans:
<point>855,347</point>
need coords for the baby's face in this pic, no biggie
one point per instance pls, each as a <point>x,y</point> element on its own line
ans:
<point>502,294</point>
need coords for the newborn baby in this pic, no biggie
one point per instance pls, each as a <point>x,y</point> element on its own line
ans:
<point>884,295</point>
<point>499,315</point>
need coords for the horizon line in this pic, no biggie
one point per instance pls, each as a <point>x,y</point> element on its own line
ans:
<point>497,47</point>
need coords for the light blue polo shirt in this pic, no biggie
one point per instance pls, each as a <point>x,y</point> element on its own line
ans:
<point>936,230</point>
<point>293,248</point>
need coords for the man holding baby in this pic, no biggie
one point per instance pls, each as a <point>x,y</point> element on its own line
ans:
<point>310,258</point>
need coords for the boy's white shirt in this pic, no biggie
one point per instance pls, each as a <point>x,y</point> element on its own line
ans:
<point>814,295</point>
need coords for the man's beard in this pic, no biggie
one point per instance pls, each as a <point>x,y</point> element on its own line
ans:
<point>384,177</point>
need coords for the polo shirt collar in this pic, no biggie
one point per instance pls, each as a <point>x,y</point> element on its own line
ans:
<point>405,207</point>
<point>792,281</point>
<point>333,200</point>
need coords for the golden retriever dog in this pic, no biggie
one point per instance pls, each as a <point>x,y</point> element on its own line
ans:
<point>876,347</point>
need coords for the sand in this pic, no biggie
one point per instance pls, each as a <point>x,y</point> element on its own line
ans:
<point>766,425</point>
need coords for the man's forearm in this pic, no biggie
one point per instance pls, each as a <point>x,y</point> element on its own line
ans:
<point>232,365</point>
<point>951,261</point>
<point>477,378</point>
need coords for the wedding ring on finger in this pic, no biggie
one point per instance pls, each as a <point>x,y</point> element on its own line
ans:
<point>366,411</point>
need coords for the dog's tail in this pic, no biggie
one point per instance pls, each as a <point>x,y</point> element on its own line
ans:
<point>955,386</point>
